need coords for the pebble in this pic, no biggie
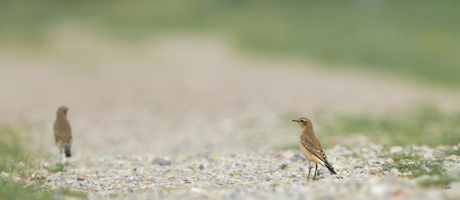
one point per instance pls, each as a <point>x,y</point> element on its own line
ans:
<point>396,149</point>
<point>245,175</point>
<point>161,161</point>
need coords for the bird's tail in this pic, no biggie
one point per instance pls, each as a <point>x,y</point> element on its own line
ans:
<point>67,150</point>
<point>330,168</point>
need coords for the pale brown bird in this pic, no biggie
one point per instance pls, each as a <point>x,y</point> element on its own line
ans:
<point>62,132</point>
<point>311,147</point>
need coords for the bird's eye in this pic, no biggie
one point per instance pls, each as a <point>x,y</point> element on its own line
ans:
<point>302,120</point>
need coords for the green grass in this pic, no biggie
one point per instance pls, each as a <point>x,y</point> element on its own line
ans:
<point>283,166</point>
<point>439,181</point>
<point>402,156</point>
<point>15,162</point>
<point>416,168</point>
<point>353,155</point>
<point>416,126</point>
<point>10,189</point>
<point>68,192</point>
<point>416,38</point>
<point>358,167</point>
<point>57,168</point>
<point>450,151</point>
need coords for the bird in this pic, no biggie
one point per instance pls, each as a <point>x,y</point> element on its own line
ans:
<point>311,148</point>
<point>62,133</point>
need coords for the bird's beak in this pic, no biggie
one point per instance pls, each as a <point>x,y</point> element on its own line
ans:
<point>295,120</point>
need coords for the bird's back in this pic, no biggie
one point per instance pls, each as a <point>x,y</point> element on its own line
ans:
<point>310,135</point>
<point>62,131</point>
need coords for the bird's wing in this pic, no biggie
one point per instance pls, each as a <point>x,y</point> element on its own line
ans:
<point>60,134</point>
<point>318,152</point>
<point>65,138</point>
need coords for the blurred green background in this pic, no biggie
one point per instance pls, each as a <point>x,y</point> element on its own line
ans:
<point>418,40</point>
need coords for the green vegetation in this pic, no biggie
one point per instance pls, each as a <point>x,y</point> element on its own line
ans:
<point>416,38</point>
<point>442,180</point>
<point>18,182</point>
<point>10,189</point>
<point>451,151</point>
<point>68,192</point>
<point>57,168</point>
<point>283,166</point>
<point>419,126</point>
<point>402,156</point>
<point>353,155</point>
<point>416,168</point>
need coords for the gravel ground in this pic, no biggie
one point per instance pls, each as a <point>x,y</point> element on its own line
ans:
<point>249,175</point>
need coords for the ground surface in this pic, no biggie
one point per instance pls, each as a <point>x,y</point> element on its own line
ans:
<point>195,102</point>
<point>250,175</point>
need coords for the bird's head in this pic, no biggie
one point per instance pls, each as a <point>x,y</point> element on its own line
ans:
<point>62,111</point>
<point>303,122</point>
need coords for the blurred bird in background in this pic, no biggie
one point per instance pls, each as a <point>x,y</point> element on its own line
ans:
<point>62,133</point>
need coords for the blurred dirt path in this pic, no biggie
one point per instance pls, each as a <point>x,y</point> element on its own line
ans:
<point>183,94</point>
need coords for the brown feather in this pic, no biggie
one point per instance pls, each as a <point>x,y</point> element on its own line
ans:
<point>310,145</point>
<point>62,130</point>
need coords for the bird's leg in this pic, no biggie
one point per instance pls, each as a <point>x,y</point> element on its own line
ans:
<point>60,152</point>
<point>309,169</point>
<point>316,170</point>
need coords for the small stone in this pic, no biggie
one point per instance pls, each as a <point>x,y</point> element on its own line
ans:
<point>201,167</point>
<point>246,176</point>
<point>378,190</point>
<point>455,170</point>
<point>49,179</point>
<point>395,172</point>
<point>198,191</point>
<point>428,156</point>
<point>4,174</point>
<point>396,149</point>
<point>389,160</point>
<point>268,177</point>
<point>161,162</point>
<point>130,188</point>
<point>214,158</point>
<point>80,178</point>
<point>297,157</point>
<point>135,180</point>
